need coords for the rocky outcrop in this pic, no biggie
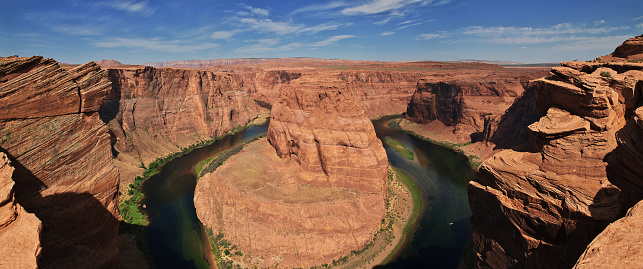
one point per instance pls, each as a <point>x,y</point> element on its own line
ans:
<point>631,50</point>
<point>619,245</point>
<point>467,102</point>
<point>61,151</point>
<point>540,204</point>
<point>312,194</point>
<point>19,230</point>
<point>154,112</point>
<point>108,63</point>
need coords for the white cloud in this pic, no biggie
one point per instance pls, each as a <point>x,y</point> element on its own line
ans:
<point>607,43</point>
<point>269,26</point>
<point>427,36</point>
<point>639,26</point>
<point>387,33</point>
<point>225,35</point>
<point>530,35</point>
<point>408,25</point>
<point>320,7</point>
<point>285,28</point>
<point>255,10</point>
<point>638,18</point>
<point>331,40</point>
<point>377,6</point>
<point>132,6</point>
<point>153,44</point>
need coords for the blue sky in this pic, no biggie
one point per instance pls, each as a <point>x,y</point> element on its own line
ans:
<point>137,31</point>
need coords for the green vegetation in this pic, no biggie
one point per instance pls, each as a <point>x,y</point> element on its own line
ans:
<point>222,247</point>
<point>399,147</point>
<point>210,164</point>
<point>606,74</point>
<point>474,160</point>
<point>417,209</point>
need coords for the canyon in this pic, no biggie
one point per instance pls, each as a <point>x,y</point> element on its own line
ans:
<point>312,192</point>
<point>561,181</point>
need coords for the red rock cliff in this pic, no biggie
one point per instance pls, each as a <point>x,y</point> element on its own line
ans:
<point>60,148</point>
<point>540,204</point>
<point>155,112</point>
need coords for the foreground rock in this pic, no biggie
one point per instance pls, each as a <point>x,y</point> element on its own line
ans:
<point>618,245</point>
<point>539,205</point>
<point>65,175</point>
<point>19,230</point>
<point>322,199</point>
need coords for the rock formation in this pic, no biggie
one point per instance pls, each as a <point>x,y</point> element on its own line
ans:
<point>19,230</point>
<point>619,245</point>
<point>322,199</point>
<point>155,112</point>
<point>60,148</point>
<point>540,204</point>
<point>469,102</point>
<point>108,63</point>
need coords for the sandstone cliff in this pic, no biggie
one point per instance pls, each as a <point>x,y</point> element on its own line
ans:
<point>469,103</point>
<point>19,230</point>
<point>154,112</point>
<point>322,199</point>
<point>539,205</point>
<point>61,151</point>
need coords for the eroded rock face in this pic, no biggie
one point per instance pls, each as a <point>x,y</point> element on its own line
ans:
<point>619,245</point>
<point>19,230</point>
<point>155,112</point>
<point>540,204</point>
<point>60,148</point>
<point>631,49</point>
<point>470,103</point>
<point>312,192</point>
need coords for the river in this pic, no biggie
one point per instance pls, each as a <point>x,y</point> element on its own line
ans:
<point>176,238</point>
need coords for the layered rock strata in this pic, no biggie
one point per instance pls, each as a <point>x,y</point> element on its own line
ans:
<point>469,104</point>
<point>619,245</point>
<point>54,137</point>
<point>309,194</point>
<point>540,204</point>
<point>19,230</point>
<point>155,112</point>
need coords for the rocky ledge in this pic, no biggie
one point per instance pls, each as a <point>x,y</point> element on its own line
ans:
<point>312,192</point>
<point>539,205</point>
<point>60,149</point>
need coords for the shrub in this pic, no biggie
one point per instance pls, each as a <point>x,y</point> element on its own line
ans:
<point>606,74</point>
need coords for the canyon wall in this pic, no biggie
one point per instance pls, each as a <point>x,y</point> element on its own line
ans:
<point>310,193</point>
<point>469,104</point>
<point>155,112</point>
<point>539,205</point>
<point>60,149</point>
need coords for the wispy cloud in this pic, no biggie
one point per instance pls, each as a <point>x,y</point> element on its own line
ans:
<point>255,10</point>
<point>607,43</point>
<point>377,6</point>
<point>141,7</point>
<point>427,36</point>
<point>320,7</point>
<point>225,35</point>
<point>387,33</point>
<point>331,40</point>
<point>153,44</point>
<point>285,28</point>
<point>407,26</point>
<point>530,35</point>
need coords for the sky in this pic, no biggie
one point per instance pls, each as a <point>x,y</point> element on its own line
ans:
<point>139,31</point>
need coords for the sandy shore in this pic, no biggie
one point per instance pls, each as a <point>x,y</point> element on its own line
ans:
<point>399,211</point>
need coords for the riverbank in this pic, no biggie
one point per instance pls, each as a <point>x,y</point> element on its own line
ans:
<point>134,218</point>
<point>403,206</point>
<point>475,152</point>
